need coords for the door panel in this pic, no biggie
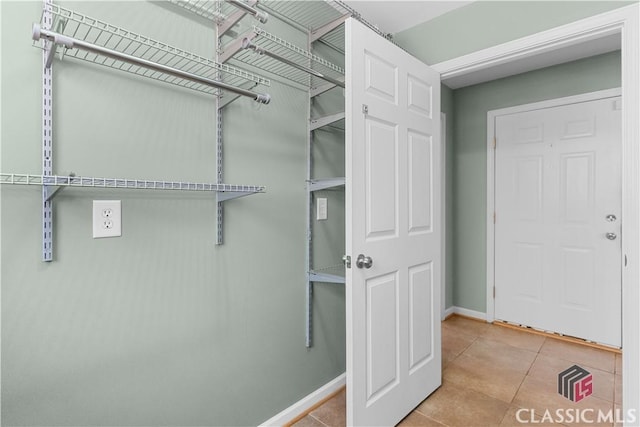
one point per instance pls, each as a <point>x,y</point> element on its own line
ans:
<point>381,180</point>
<point>382,335</point>
<point>393,216</point>
<point>420,191</point>
<point>381,77</point>
<point>421,314</point>
<point>557,178</point>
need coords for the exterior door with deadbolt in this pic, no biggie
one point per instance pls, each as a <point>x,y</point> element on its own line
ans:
<point>558,257</point>
<point>392,229</point>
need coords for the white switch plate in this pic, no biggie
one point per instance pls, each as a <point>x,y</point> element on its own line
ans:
<point>107,218</point>
<point>322,209</point>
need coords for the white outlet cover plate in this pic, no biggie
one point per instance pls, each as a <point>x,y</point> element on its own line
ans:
<point>322,211</point>
<point>107,218</point>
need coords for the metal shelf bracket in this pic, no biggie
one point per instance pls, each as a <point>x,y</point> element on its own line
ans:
<point>326,120</point>
<point>323,184</point>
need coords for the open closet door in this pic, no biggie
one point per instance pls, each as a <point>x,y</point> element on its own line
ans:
<point>392,229</point>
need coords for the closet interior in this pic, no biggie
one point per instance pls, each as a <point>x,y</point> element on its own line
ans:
<point>247,58</point>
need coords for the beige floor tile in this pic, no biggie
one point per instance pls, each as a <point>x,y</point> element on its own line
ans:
<point>334,412</point>
<point>308,421</point>
<point>580,354</point>
<point>453,405</point>
<point>416,419</point>
<point>618,364</point>
<point>484,376</point>
<point>617,394</point>
<point>514,337</point>
<point>540,396</point>
<point>466,326</point>
<point>454,343</point>
<point>502,355</point>
<point>547,368</point>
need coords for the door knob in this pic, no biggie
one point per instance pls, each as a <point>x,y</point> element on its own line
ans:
<point>611,218</point>
<point>612,236</point>
<point>364,261</point>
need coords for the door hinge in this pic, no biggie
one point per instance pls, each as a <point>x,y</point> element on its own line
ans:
<point>494,217</point>
<point>495,142</point>
<point>494,292</point>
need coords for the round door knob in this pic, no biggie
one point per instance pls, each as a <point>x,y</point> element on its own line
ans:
<point>612,236</point>
<point>364,261</point>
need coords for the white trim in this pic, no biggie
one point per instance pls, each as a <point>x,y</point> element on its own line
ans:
<point>491,196</point>
<point>443,215</point>
<point>469,313</point>
<point>557,102</point>
<point>588,29</point>
<point>303,405</point>
<point>626,21</point>
<point>448,312</point>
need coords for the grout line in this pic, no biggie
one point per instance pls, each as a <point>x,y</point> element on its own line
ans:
<point>319,420</point>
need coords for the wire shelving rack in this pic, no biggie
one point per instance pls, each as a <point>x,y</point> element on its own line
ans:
<point>70,24</point>
<point>282,58</point>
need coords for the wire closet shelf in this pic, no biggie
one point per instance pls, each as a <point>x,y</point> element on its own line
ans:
<point>314,15</point>
<point>126,183</point>
<point>266,51</point>
<point>114,47</point>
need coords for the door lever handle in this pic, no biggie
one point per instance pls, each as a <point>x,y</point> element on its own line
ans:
<point>611,236</point>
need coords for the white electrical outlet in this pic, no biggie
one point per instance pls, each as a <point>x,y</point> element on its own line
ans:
<point>321,204</point>
<point>107,218</point>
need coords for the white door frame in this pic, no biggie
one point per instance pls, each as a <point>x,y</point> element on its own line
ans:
<point>443,215</point>
<point>491,165</point>
<point>626,22</point>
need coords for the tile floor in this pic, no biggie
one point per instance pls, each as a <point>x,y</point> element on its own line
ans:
<point>490,372</point>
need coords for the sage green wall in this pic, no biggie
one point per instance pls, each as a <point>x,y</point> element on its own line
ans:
<point>483,24</point>
<point>471,105</point>
<point>159,326</point>
<point>464,30</point>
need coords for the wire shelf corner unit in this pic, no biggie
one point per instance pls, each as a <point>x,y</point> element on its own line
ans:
<point>92,40</point>
<point>260,49</point>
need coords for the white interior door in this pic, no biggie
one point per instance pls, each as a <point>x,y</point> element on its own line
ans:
<point>557,232</point>
<point>393,226</point>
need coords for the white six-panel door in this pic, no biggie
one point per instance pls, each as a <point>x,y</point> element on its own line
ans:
<point>558,215</point>
<point>393,226</point>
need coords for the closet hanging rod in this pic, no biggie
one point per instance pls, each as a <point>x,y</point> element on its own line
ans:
<point>258,14</point>
<point>71,43</point>
<point>247,44</point>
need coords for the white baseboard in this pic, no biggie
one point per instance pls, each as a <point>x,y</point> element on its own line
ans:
<point>306,403</point>
<point>469,313</point>
<point>448,312</point>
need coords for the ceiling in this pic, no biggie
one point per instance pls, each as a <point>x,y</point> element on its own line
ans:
<point>393,16</point>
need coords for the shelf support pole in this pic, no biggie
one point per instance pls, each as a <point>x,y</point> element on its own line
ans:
<point>47,135</point>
